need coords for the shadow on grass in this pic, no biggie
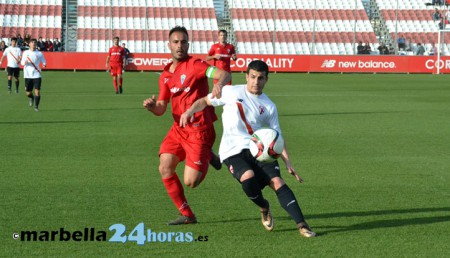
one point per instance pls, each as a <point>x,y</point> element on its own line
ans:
<point>50,122</point>
<point>92,109</point>
<point>345,113</point>
<point>381,223</point>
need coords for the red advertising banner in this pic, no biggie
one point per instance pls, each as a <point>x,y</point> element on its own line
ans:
<point>277,63</point>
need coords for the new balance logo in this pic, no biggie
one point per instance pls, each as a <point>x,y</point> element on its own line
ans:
<point>328,63</point>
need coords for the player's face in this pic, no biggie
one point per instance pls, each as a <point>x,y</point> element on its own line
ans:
<point>32,45</point>
<point>13,43</point>
<point>222,37</point>
<point>116,41</point>
<point>256,81</point>
<point>178,45</point>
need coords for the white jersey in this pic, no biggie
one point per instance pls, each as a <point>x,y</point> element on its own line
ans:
<point>13,54</point>
<point>243,113</point>
<point>31,71</point>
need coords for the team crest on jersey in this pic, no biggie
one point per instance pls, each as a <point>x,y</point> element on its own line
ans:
<point>183,77</point>
<point>166,80</point>
<point>261,110</point>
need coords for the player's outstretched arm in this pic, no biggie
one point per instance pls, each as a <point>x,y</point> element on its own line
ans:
<point>157,107</point>
<point>223,78</point>
<point>188,115</point>
<point>289,167</point>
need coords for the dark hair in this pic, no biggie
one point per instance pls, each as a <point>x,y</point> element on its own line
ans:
<point>33,40</point>
<point>259,66</point>
<point>224,31</point>
<point>14,39</point>
<point>179,29</point>
<point>116,38</point>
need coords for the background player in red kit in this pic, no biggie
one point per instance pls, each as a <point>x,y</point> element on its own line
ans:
<point>115,62</point>
<point>221,53</point>
<point>183,81</point>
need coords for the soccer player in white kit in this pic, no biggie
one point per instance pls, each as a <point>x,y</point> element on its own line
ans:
<point>246,109</point>
<point>31,60</point>
<point>13,54</point>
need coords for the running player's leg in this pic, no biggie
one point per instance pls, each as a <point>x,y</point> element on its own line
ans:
<point>16,76</point>
<point>8,69</point>
<point>29,91</point>
<point>37,93</point>
<point>289,203</point>
<point>168,164</point>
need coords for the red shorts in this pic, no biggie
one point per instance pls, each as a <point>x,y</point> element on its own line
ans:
<point>115,69</point>
<point>192,146</point>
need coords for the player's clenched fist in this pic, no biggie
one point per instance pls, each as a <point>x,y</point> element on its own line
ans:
<point>150,102</point>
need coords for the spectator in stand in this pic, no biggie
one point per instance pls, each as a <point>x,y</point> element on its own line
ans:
<point>436,15</point>
<point>391,50</point>
<point>26,41</point>
<point>401,41</point>
<point>57,46</point>
<point>49,45</point>
<point>420,50</point>
<point>127,53</point>
<point>3,46</point>
<point>360,48</point>
<point>383,49</point>
<point>408,44</point>
<point>367,48</point>
<point>20,41</point>
<point>432,50</point>
<point>441,24</point>
<point>41,45</point>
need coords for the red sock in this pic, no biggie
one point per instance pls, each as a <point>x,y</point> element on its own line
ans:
<point>176,193</point>
<point>120,81</point>
<point>115,84</point>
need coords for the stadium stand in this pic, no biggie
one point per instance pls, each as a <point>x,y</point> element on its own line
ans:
<point>288,28</point>
<point>144,25</point>
<point>257,26</point>
<point>414,21</point>
<point>37,18</point>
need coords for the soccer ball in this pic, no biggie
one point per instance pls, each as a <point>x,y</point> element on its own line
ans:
<point>266,145</point>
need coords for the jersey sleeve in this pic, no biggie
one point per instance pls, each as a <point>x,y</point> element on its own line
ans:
<point>43,59</point>
<point>164,93</point>
<point>200,68</point>
<point>211,50</point>
<point>227,97</point>
<point>24,58</point>
<point>273,120</point>
<point>232,50</point>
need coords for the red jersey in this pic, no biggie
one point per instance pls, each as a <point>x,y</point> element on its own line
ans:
<point>116,55</point>
<point>225,55</point>
<point>184,86</point>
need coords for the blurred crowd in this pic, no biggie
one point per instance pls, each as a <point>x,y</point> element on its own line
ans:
<point>42,45</point>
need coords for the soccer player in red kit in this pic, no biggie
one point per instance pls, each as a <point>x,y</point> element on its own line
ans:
<point>183,81</point>
<point>222,53</point>
<point>115,62</point>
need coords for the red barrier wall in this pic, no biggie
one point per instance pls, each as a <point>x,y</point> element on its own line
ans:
<point>279,63</point>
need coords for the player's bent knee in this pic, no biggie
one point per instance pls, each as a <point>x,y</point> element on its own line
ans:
<point>165,171</point>
<point>276,183</point>
<point>192,182</point>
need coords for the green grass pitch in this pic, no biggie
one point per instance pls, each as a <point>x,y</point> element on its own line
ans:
<point>373,150</point>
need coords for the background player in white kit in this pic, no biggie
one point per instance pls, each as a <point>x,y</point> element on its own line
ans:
<point>31,60</point>
<point>247,109</point>
<point>14,55</point>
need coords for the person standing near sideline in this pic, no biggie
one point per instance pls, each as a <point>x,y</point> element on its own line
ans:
<point>115,63</point>
<point>31,61</point>
<point>222,53</point>
<point>14,56</point>
<point>183,81</point>
<point>246,109</point>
